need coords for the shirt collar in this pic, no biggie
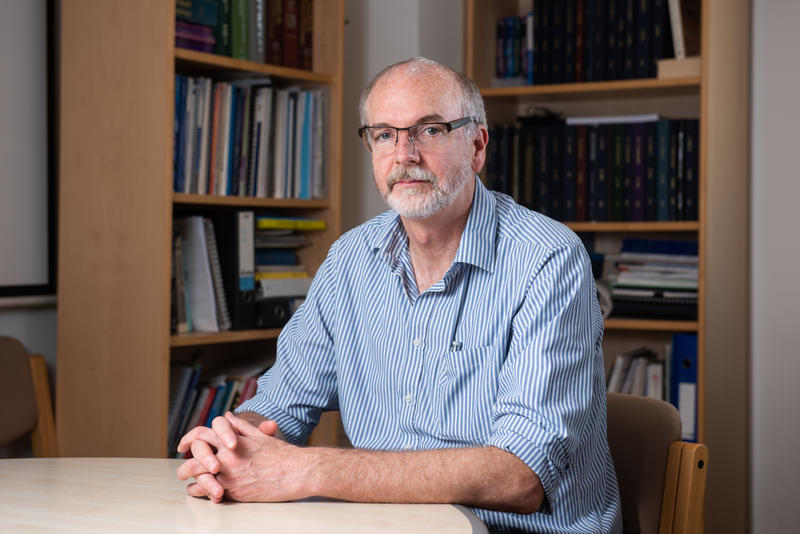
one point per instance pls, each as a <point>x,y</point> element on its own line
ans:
<point>477,246</point>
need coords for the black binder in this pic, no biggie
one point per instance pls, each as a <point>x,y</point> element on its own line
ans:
<point>235,241</point>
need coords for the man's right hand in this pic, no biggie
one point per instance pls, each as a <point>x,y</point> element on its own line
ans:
<point>203,442</point>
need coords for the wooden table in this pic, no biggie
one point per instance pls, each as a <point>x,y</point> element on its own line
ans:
<point>122,495</point>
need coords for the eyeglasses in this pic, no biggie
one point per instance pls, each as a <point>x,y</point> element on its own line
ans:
<point>424,136</point>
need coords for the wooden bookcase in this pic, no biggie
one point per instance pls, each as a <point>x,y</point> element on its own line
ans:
<point>118,63</point>
<point>719,97</point>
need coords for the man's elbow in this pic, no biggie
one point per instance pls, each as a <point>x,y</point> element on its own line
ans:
<point>528,495</point>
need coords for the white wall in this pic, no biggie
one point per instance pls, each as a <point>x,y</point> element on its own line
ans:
<point>775,288</point>
<point>379,33</point>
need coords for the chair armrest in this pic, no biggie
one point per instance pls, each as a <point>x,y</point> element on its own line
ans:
<point>43,437</point>
<point>683,505</point>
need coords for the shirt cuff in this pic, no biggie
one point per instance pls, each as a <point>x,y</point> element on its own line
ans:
<point>525,447</point>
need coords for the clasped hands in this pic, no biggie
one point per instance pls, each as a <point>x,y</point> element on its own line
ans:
<point>247,463</point>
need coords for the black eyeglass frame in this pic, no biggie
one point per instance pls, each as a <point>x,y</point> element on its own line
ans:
<point>449,126</point>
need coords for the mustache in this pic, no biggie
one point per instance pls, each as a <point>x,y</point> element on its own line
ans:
<point>416,174</point>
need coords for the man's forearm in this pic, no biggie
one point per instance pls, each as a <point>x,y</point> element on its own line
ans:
<point>482,477</point>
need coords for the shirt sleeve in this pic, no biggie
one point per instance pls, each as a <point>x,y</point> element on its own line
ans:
<point>302,383</point>
<point>553,369</point>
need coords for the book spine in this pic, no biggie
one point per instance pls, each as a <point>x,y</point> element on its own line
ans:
<point>603,184</point>
<point>580,173</point>
<point>680,196</point>
<point>643,33</point>
<point>528,136</point>
<point>569,166</point>
<point>630,39</point>
<point>627,155</point>
<point>543,171</point>
<point>222,31</point>
<point>690,175</point>
<point>662,171</point>
<point>306,34</point>
<point>592,166</point>
<point>203,12</point>
<point>661,38</point>
<point>239,37</point>
<point>274,32</point>
<point>557,42</point>
<point>614,37</point>
<point>638,200</point>
<point>618,202</point>
<point>291,38</point>
<point>650,172</point>
<point>255,42</point>
<point>580,28</point>
<point>570,20</point>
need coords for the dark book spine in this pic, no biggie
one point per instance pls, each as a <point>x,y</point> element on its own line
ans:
<point>569,170</point>
<point>630,39</point>
<point>613,38</point>
<point>618,199</point>
<point>274,32</point>
<point>291,38</point>
<point>650,171</point>
<point>591,174</point>
<point>500,48</point>
<point>691,167</point>
<point>556,172</point>
<point>680,196</point>
<point>580,28</point>
<point>600,31</point>
<point>661,35</point>
<point>538,10</point>
<point>528,141</point>
<point>222,31</point>
<point>580,173</point>
<point>662,171</point>
<point>643,34</point>
<point>569,44</point>
<point>515,50</point>
<point>603,187</point>
<point>504,160</point>
<point>515,181</point>
<point>638,201</point>
<point>306,34</point>
<point>557,41</point>
<point>545,56</point>
<point>493,158</point>
<point>627,163</point>
<point>180,106</point>
<point>542,171</point>
<point>673,170</point>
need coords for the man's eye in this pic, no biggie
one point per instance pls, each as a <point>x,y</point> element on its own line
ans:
<point>382,136</point>
<point>432,130</point>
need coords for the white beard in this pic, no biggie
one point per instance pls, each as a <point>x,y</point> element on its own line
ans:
<point>418,203</point>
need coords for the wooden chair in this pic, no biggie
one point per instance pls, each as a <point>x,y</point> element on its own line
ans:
<point>25,397</point>
<point>662,479</point>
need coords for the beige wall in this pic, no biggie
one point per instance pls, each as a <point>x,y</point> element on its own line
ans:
<point>775,284</point>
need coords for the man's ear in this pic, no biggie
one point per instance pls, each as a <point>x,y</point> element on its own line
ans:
<point>479,141</point>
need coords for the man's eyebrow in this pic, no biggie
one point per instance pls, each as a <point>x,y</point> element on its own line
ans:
<point>426,118</point>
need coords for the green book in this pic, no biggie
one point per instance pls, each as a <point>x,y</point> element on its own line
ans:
<point>239,24</point>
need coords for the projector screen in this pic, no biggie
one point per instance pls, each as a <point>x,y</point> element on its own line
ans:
<point>27,139</point>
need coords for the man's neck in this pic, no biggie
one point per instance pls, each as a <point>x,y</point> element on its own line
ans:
<point>433,242</point>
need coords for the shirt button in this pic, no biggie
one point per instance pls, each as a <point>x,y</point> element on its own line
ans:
<point>417,342</point>
<point>409,398</point>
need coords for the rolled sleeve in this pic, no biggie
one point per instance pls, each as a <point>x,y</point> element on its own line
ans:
<point>550,376</point>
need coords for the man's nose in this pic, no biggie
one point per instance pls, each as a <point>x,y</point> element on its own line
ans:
<point>405,149</point>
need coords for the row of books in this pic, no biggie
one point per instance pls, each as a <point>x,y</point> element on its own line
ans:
<point>625,168</point>
<point>673,378</point>
<point>224,279</point>
<point>278,32</point>
<point>654,279</point>
<point>567,41</point>
<point>197,398</point>
<point>249,139</point>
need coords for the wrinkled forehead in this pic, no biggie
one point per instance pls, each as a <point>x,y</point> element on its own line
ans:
<point>409,94</point>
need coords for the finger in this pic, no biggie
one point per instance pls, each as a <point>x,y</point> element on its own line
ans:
<point>268,427</point>
<point>202,433</point>
<point>242,426</point>
<point>225,430</point>
<point>203,454</point>
<point>191,469</point>
<point>195,490</point>
<point>211,486</point>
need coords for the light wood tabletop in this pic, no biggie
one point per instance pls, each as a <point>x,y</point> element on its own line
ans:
<point>126,495</point>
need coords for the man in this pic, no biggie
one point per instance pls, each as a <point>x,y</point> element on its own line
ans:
<point>459,334</point>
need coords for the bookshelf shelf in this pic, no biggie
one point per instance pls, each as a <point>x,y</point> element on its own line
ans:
<point>189,199</point>
<point>649,87</point>
<point>230,66</point>
<point>623,227</point>
<point>650,325</point>
<point>201,339</point>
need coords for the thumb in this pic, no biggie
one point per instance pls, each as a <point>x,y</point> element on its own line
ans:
<point>241,426</point>
<point>268,427</point>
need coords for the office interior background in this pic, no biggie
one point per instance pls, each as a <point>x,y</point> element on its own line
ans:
<point>379,32</point>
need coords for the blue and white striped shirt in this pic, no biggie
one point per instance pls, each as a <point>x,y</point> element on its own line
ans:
<point>504,351</point>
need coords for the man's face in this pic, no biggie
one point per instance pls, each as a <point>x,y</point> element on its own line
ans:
<point>418,184</point>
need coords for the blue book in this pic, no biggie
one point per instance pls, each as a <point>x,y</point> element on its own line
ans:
<point>683,382</point>
<point>305,155</point>
<point>219,398</point>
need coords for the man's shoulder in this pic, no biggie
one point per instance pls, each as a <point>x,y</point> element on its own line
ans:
<point>525,227</point>
<point>367,234</point>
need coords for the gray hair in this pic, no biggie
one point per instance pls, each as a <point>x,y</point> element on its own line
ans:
<point>471,101</point>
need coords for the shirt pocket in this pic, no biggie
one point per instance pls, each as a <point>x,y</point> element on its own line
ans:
<point>467,389</point>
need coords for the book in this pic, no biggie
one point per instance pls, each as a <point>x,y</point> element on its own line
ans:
<point>264,222</point>
<point>274,32</point>
<point>684,16</point>
<point>222,31</point>
<point>305,34</point>
<point>235,235</point>
<point>256,28</point>
<point>223,316</point>
<point>614,119</point>
<point>290,46</point>
<point>179,297</point>
<point>655,380</point>
<point>203,12</point>
<point>283,287</point>
<point>201,299</point>
<point>239,29</point>
<point>683,386</point>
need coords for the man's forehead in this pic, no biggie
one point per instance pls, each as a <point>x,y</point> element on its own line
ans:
<point>416,98</point>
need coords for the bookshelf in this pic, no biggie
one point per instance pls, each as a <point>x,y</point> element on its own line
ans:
<point>719,97</point>
<point>118,64</point>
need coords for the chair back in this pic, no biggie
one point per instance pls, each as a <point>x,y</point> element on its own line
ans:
<point>25,393</point>
<point>640,432</point>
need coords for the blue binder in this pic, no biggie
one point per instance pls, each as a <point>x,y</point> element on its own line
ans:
<point>683,382</point>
